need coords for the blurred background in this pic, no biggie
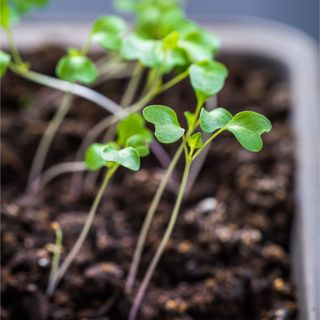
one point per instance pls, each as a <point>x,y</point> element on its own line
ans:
<point>301,14</point>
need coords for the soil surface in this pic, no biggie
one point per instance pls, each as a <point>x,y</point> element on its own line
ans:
<point>229,255</point>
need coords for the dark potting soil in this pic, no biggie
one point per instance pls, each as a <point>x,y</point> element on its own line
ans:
<point>229,257</point>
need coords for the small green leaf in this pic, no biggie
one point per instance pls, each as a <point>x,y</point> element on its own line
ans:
<point>191,118</point>
<point>137,48</point>
<point>76,67</point>
<point>154,53</point>
<point>132,125</point>
<point>154,18</point>
<point>173,20</point>
<point>168,129</point>
<point>4,62</point>
<point>4,14</point>
<point>215,119</point>
<point>171,41</point>
<point>195,141</point>
<point>127,157</point>
<point>93,158</point>
<point>125,5</point>
<point>248,126</point>
<point>140,144</point>
<point>172,58</point>
<point>207,78</point>
<point>108,31</point>
<point>200,45</point>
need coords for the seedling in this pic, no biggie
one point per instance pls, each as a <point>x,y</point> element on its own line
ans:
<point>132,144</point>
<point>163,41</point>
<point>207,79</point>
<point>77,67</point>
<point>56,250</point>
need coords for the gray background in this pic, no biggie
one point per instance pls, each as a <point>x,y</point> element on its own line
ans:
<point>302,14</point>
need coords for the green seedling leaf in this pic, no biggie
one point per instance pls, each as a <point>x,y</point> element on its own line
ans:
<point>248,126</point>
<point>153,18</point>
<point>154,53</point>
<point>199,45</point>
<point>215,119</point>
<point>76,67</point>
<point>125,5</point>
<point>195,141</point>
<point>137,48</point>
<point>171,41</point>
<point>93,159</point>
<point>207,78</point>
<point>108,32</point>
<point>127,157</point>
<point>191,118</point>
<point>140,144</point>
<point>173,20</point>
<point>172,58</point>
<point>4,62</point>
<point>167,126</point>
<point>4,14</point>
<point>133,125</point>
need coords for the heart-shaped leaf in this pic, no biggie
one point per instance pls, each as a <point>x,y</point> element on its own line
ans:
<point>4,62</point>
<point>248,126</point>
<point>132,125</point>
<point>195,141</point>
<point>207,78</point>
<point>108,31</point>
<point>168,129</point>
<point>215,119</point>
<point>127,157</point>
<point>76,67</point>
<point>140,144</point>
<point>93,158</point>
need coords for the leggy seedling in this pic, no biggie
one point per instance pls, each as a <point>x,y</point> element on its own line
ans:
<point>132,143</point>
<point>178,43</point>
<point>214,74</point>
<point>246,126</point>
<point>77,67</point>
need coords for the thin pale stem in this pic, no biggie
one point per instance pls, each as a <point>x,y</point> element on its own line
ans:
<point>127,97</point>
<point>207,143</point>
<point>53,172</point>
<point>13,48</point>
<point>83,235</point>
<point>147,222</point>
<point>132,86</point>
<point>46,140</point>
<point>154,204</point>
<point>145,282</point>
<point>65,86</point>
<point>56,253</point>
<point>174,81</point>
<point>198,163</point>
